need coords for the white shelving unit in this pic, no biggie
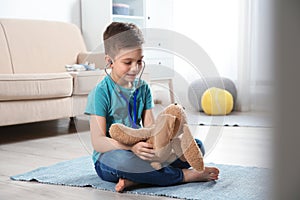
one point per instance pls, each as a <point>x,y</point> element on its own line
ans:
<point>137,12</point>
<point>154,14</point>
<point>159,16</point>
<point>98,14</point>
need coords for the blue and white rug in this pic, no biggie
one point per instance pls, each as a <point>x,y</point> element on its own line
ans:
<point>235,182</point>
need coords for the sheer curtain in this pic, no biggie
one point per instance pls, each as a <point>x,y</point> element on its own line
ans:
<point>255,55</point>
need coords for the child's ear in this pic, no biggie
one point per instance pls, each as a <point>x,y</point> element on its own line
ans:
<point>108,60</point>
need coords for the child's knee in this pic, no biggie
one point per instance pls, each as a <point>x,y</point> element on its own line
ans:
<point>201,146</point>
<point>115,158</point>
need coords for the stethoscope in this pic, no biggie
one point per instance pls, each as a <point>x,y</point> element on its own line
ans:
<point>133,120</point>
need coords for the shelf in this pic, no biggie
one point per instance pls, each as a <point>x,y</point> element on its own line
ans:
<point>139,21</point>
<point>136,7</point>
<point>129,17</point>
<point>136,12</point>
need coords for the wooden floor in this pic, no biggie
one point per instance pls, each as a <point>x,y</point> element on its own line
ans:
<point>29,146</point>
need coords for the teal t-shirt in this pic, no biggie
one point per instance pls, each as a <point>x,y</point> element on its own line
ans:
<point>105,100</point>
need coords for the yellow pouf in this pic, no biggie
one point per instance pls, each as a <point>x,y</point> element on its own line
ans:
<point>216,101</point>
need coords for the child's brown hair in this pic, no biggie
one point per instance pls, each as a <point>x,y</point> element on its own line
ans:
<point>119,35</point>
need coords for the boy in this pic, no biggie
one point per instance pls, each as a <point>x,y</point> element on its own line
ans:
<point>122,98</point>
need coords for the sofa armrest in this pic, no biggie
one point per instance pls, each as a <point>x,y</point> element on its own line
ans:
<point>92,57</point>
<point>85,81</point>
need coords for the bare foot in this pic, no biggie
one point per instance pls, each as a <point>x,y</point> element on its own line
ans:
<point>124,183</point>
<point>209,174</point>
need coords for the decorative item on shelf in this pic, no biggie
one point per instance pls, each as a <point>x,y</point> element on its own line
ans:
<point>120,9</point>
<point>89,66</point>
<point>80,67</point>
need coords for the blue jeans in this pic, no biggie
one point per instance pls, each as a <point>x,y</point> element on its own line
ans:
<point>116,164</point>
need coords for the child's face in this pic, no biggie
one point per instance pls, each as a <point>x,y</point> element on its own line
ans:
<point>126,66</point>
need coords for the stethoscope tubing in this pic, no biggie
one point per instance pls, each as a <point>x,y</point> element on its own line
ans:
<point>134,120</point>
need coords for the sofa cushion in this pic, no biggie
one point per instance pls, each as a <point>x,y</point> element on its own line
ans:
<point>35,86</point>
<point>5,62</point>
<point>42,46</point>
<point>85,81</point>
<point>17,112</point>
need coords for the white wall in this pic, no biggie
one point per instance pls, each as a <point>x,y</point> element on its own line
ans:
<point>214,26</point>
<point>56,10</point>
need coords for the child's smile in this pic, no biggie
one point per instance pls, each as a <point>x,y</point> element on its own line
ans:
<point>127,66</point>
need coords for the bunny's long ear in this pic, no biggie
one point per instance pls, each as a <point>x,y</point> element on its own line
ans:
<point>160,138</point>
<point>178,111</point>
<point>191,151</point>
<point>127,135</point>
<point>163,130</point>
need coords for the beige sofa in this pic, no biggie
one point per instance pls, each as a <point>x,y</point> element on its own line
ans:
<point>34,85</point>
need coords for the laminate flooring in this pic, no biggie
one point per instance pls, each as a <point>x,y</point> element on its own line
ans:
<point>29,146</point>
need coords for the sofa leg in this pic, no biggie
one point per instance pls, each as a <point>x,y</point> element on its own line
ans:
<point>72,120</point>
<point>72,124</point>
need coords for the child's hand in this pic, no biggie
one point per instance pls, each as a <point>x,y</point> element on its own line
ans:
<point>143,150</point>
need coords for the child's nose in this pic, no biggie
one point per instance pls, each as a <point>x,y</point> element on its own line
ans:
<point>134,67</point>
